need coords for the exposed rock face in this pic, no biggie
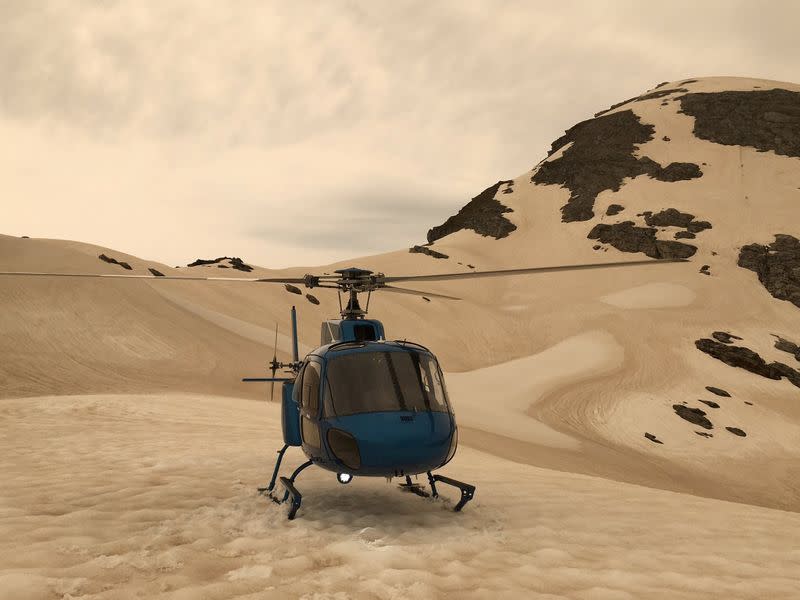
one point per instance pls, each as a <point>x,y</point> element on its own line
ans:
<point>736,431</point>
<point>114,261</point>
<point>312,299</point>
<point>600,158</point>
<point>684,235</point>
<point>744,358</point>
<point>787,346</point>
<point>670,217</point>
<point>293,289</point>
<point>235,263</point>
<point>704,434</point>
<point>693,415</point>
<point>428,251</point>
<point>718,391</point>
<point>766,120</point>
<point>725,337</point>
<point>614,209</point>
<point>652,95</point>
<point>777,266</point>
<point>709,403</point>
<point>627,237</point>
<point>155,272</point>
<point>652,438</point>
<point>483,214</point>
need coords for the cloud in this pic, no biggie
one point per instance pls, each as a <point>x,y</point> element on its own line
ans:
<point>216,115</point>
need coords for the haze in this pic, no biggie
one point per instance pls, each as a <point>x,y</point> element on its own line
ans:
<point>304,133</point>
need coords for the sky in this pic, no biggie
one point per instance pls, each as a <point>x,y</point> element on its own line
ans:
<point>306,132</point>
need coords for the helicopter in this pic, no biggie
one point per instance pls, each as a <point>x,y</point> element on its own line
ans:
<point>361,404</point>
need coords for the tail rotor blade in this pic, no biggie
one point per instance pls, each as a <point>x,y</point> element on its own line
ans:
<point>274,364</point>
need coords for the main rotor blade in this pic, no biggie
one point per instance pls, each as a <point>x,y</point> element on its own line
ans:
<point>400,290</point>
<point>500,273</point>
<point>157,277</point>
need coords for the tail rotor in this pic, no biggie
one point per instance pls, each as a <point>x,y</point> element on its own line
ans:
<point>274,365</point>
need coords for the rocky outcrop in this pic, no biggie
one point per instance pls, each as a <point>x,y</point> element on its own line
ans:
<point>787,346</point>
<point>614,209</point>
<point>718,391</point>
<point>626,237</point>
<point>600,158</point>
<point>744,358</point>
<point>114,261</point>
<point>312,299</point>
<point>777,266</point>
<point>761,119</point>
<point>652,438</point>
<point>293,289</point>
<point>483,214</point>
<point>649,96</point>
<point>234,263</point>
<point>709,403</point>
<point>736,431</point>
<point>693,415</point>
<point>725,337</point>
<point>427,250</point>
<point>155,272</point>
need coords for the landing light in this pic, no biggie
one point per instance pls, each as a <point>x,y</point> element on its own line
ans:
<point>344,477</point>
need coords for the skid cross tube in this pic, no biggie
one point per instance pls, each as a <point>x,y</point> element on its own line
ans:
<point>467,490</point>
<point>271,485</point>
<point>414,488</point>
<point>291,491</point>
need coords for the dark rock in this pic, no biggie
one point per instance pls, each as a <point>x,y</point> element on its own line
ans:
<point>718,391</point>
<point>312,299</point>
<point>704,434</point>
<point>650,96</point>
<point>155,272</point>
<point>663,83</point>
<point>628,238</point>
<point>765,120</point>
<point>234,261</point>
<point>688,81</point>
<point>596,247</point>
<point>428,251</point>
<point>709,403</point>
<point>684,235</point>
<point>698,226</point>
<point>725,337</point>
<point>744,358</point>
<point>749,403</point>
<point>713,253</point>
<point>705,269</point>
<point>292,288</point>
<point>666,139</point>
<point>736,431</point>
<point>653,438</point>
<point>471,266</point>
<point>614,209</point>
<point>223,267</point>
<point>483,214</point>
<point>25,237</point>
<point>600,158</point>
<point>677,171</point>
<point>114,261</point>
<point>693,415</point>
<point>777,266</point>
<point>787,346</point>
<point>670,217</point>
<point>426,299</point>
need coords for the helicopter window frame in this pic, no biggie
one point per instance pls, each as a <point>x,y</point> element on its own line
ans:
<point>429,394</point>
<point>310,391</point>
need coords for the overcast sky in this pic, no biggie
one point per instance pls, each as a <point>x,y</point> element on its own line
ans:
<point>298,133</point>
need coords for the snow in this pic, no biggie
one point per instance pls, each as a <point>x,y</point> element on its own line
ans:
<point>154,496</point>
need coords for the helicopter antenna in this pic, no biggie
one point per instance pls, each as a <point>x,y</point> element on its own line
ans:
<point>274,365</point>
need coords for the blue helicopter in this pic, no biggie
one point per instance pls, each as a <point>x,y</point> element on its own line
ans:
<point>360,404</point>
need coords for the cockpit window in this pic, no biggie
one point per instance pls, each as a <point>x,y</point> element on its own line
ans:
<point>383,381</point>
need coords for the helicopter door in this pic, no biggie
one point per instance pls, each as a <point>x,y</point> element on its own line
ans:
<point>309,405</point>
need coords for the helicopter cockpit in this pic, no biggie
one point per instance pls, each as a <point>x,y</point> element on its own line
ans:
<point>383,379</point>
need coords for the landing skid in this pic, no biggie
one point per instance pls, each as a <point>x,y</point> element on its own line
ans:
<point>290,491</point>
<point>467,490</point>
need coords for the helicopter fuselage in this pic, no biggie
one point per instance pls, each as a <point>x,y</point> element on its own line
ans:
<point>370,408</point>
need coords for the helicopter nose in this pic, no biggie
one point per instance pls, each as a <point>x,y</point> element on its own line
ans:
<point>395,443</point>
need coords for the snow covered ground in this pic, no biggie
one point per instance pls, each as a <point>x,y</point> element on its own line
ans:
<point>153,496</point>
